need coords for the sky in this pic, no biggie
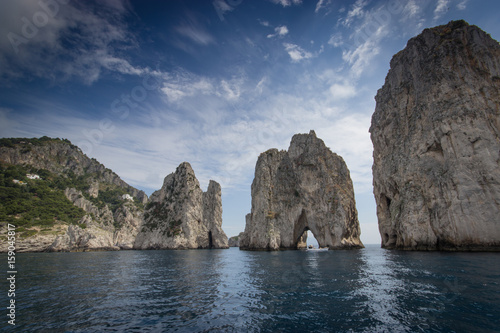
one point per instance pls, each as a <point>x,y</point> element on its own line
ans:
<point>145,85</point>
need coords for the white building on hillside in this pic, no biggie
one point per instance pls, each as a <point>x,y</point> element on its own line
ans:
<point>127,197</point>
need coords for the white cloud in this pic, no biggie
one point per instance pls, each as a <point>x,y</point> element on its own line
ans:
<point>342,91</point>
<point>286,3</point>
<point>179,86</point>
<point>80,41</point>
<point>364,44</point>
<point>411,9</point>
<point>321,4</point>
<point>229,90</point>
<point>462,5</point>
<point>221,7</point>
<point>441,8</point>
<point>184,84</point>
<point>264,23</point>
<point>280,31</point>
<point>356,11</point>
<point>259,88</point>
<point>336,39</point>
<point>296,53</point>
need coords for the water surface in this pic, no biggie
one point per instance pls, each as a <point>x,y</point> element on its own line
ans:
<point>369,290</point>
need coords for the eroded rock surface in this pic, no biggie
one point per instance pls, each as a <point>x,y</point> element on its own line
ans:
<point>102,230</point>
<point>181,216</point>
<point>435,133</point>
<point>305,188</point>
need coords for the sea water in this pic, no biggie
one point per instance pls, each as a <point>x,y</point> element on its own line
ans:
<point>368,290</point>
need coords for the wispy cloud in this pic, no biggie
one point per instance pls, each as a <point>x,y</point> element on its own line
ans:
<point>356,11</point>
<point>336,39</point>
<point>411,9</point>
<point>82,42</point>
<point>286,3</point>
<point>196,34</point>
<point>297,53</point>
<point>441,8</point>
<point>321,4</point>
<point>462,5</point>
<point>342,91</point>
<point>280,31</point>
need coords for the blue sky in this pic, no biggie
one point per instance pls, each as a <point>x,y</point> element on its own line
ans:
<point>145,85</point>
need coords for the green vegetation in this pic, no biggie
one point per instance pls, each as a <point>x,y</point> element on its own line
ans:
<point>41,202</point>
<point>12,142</point>
<point>33,202</point>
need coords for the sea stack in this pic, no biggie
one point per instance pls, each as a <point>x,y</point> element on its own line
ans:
<point>435,133</point>
<point>181,216</point>
<point>305,188</point>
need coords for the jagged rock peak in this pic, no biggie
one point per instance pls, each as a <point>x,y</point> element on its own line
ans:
<point>181,216</point>
<point>305,188</point>
<point>436,138</point>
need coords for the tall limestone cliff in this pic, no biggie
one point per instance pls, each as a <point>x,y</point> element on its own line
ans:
<point>305,188</point>
<point>181,216</point>
<point>436,138</point>
<point>73,203</point>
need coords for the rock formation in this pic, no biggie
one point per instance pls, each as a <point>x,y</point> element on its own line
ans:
<point>181,216</point>
<point>106,221</point>
<point>436,138</point>
<point>305,188</point>
<point>103,230</point>
<point>60,156</point>
<point>235,240</point>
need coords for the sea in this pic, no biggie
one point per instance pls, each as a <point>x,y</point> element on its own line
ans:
<point>368,290</point>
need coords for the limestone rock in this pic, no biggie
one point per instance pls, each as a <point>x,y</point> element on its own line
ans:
<point>103,230</point>
<point>305,188</point>
<point>181,216</point>
<point>78,239</point>
<point>436,138</point>
<point>128,223</point>
<point>235,240</point>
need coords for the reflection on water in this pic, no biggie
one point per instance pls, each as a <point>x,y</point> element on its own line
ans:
<point>370,290</point>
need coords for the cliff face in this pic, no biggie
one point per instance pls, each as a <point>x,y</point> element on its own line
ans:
<point>103,230</point>
<point>181,216</point>
<point>106,220</point>
<point>306,188</point>
<point>436,138</point>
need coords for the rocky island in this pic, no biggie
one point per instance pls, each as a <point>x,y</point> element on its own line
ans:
<point>436,139</point>
<point>305,188</point>
<point>181,216</point>
<point>61,200</point>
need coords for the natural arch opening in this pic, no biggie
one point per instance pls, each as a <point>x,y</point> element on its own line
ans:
<point>303,235</point>
<point>312,242</point>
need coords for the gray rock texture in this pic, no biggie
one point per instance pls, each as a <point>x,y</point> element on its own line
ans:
<point>103,229</point>
<point>305,188</point>
<point>181,216</point>
<point>235,240</point>
<point>436,138</point>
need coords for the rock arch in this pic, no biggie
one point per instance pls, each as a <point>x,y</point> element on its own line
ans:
<point>305,188</point>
